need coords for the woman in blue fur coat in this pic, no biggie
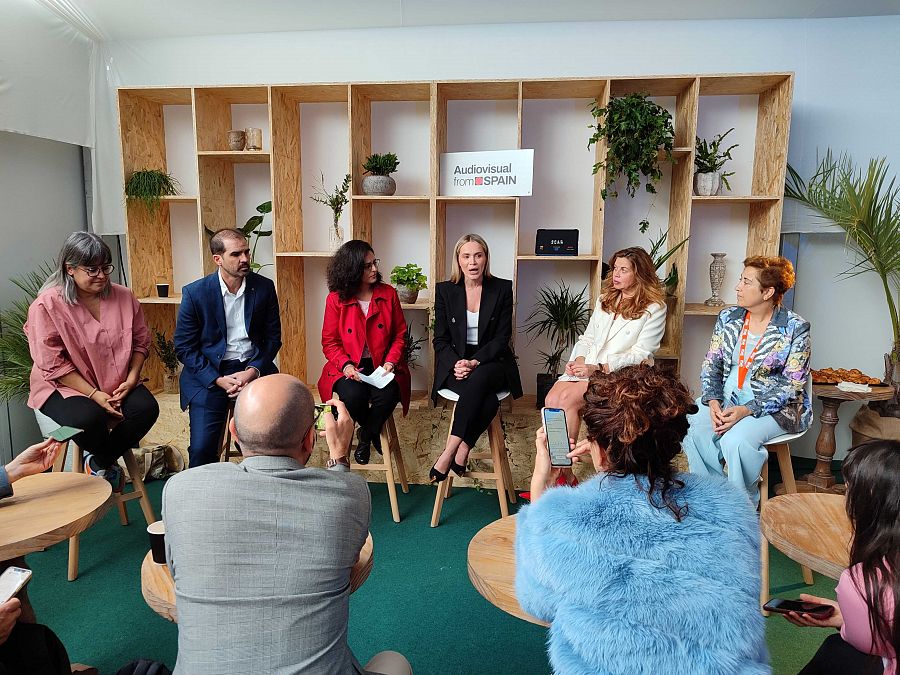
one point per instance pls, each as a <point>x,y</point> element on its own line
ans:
<point>640,570</point>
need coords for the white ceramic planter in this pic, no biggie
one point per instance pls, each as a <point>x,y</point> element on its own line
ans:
<point>379,186</point>
<point>707,184</point>
<point>407,295</point>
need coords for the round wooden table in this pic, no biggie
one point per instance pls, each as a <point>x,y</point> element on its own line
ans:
<point>492,567</point>
<point>821,479</point>
<point>48,508</point>
<point>811,528</point>
<point>158,586</point>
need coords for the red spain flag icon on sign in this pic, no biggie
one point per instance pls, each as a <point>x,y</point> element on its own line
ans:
<point>479,180</point>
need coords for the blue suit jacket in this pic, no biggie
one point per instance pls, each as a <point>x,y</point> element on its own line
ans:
<point>200,331</point>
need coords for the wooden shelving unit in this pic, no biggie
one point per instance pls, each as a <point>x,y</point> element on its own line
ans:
<point>213,114</point>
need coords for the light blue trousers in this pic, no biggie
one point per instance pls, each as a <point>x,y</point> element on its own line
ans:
<point>741,447</point>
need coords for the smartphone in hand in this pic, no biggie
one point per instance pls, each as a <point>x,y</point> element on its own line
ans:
<point>813,609</point>
<point>554,420</point>
<point>12,581</point>
<point>320,415</point>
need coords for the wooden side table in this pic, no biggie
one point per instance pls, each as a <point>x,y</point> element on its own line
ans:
<point>821,479</point>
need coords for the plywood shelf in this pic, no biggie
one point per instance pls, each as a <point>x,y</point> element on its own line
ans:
<point>179,199</point>
<point>666,352</point>
<point>392,199</point>
<point>477,200</point>
<point>237,156</point>
<point>304,254</point>
<point>699,309</point>
<point>732,199</point>
<point>153,300</point>
<point>582,258</point>
<point>419,304</point>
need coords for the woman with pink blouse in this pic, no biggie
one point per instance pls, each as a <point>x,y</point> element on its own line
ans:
<point>89,340</point>
<point>868,593</point>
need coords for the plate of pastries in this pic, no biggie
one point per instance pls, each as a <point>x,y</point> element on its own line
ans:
<point>836,375</point>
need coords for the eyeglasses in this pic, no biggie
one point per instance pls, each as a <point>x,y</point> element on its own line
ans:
<point>94,272</point>
<point>370,265</point>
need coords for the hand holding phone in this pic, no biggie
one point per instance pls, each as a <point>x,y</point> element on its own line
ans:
<point>557,432</point>
<point>812,609</point>
<point>12,581</point>
<point>63,434</point>
<point>320,415</point>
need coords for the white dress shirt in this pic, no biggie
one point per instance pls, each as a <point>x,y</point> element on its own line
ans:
<point>237,342</point>
<point>472,327</point>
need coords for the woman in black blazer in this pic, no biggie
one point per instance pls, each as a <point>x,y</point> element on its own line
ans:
<point>472,330</point>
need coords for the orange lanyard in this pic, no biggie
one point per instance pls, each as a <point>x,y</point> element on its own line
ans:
<point>744,364</point>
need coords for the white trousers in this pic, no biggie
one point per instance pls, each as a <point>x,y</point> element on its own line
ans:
<point>741,447</point>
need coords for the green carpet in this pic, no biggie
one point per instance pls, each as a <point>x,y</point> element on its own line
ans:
<point>417,600</point>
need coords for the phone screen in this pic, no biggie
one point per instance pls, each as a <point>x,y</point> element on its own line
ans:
<point>64,433</point>
<point>320,415</point>
<point>12,580</point>
<point>799,606</point>
<point>557,435</point>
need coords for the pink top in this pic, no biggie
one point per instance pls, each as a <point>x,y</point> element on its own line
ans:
<point>64,338</point>
<point>856,630</point>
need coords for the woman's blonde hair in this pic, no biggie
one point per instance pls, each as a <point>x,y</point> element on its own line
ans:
<point>649,289</point>
<point>457,274</point>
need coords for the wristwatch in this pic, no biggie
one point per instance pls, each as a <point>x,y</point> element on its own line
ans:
<point>332,462</point>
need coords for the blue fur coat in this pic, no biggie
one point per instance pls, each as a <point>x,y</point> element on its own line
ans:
<point>628,589</point>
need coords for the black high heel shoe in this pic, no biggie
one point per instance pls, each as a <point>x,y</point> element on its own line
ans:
<point>459,469</point>
<point>436,476</point>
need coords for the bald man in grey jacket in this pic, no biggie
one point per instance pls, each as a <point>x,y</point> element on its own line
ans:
<point>261,551</point>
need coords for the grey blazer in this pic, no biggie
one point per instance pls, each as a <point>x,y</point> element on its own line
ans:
<point>261,553</point>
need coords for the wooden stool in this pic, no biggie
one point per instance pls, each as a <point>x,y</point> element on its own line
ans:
<point>226,452</point>
<point>139,491</point>
<point>501,473</point>
<point>390,448</point>
<point>778,445</point>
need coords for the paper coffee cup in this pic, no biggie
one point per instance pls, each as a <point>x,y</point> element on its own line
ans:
<point>157,532</point>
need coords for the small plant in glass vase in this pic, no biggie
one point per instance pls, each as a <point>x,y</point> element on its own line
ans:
<point>409,280</point>
<point>164,348</point>
<point>336,200</point>
<point>709,160</point>
<point>561,316</point>
<point>379,181</point>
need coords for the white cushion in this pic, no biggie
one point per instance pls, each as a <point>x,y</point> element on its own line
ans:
<point>451,395</point>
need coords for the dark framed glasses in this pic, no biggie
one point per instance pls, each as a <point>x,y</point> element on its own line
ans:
<point>369,265</point>
<point>94,272</point>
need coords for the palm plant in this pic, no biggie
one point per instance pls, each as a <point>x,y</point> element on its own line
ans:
<point>659,259</point>
<point>865,204</point>
<point>561,317</point>
<point>15,357</point>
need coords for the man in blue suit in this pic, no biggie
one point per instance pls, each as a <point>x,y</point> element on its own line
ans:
<point>228,333</point>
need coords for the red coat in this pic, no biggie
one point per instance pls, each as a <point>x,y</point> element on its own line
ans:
<point>345,331</point>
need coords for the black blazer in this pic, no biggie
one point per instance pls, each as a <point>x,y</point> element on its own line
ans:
<point>494,331</point>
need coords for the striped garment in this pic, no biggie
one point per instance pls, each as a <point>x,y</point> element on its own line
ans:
<point>778,373</point>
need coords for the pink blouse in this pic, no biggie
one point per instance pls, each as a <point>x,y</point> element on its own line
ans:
<point>856,630</point>
<point>65,338</point>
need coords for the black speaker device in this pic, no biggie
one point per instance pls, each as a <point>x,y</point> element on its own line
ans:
<point>556,242</point>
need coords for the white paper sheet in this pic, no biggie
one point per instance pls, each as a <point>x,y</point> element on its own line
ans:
<point>572,378</point>
<point>379,378</point>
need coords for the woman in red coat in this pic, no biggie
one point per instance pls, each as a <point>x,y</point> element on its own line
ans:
<point>364,328</point>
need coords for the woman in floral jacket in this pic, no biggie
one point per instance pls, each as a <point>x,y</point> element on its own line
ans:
<point>753,378</point>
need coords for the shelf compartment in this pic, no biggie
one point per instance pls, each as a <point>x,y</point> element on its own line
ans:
<point>238,156</point>
<point>215,117</point>
<point>479,90</point>
<point>578,88</point>
<point>393,91</point>
<point>699,309</point>
<point>651,86</point>
<point>740,85</point>
<point>161,96</point>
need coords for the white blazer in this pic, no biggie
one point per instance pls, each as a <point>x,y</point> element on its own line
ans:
<point>621,342</point>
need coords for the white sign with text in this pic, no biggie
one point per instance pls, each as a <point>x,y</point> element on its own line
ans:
<point>492,173</point>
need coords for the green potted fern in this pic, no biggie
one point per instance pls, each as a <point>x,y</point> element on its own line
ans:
<point>709,160</point>
<point>561,316</point>
<point>148,186</point>
<point>379,182</point>
<point>409,280</point>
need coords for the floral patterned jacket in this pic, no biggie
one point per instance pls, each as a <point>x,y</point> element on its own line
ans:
<point>779,371</point>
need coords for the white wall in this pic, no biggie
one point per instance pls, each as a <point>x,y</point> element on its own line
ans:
<point>42,193</point>
<point>844,97</point>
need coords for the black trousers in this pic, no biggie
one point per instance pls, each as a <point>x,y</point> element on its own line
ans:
<point>478,402</point>
<point>369,407</point>
<point>139,410</point>
<point>33,649</point>
<point>836,657</point>
<point>207,413</point>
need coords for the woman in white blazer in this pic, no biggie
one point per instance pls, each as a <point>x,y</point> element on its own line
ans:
<point>625,329</point>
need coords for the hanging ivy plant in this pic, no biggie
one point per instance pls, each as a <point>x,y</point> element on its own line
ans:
<point>635,129</point>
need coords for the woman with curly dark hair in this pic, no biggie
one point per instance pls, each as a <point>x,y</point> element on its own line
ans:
<point>363,329</point>
<point>640,569</point>
<point>867,609</point>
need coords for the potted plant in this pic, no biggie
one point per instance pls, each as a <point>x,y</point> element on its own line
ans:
<point>708,163</point>
<point>865,204</point>
<point>165,350</point>
<point>253,233</point>
<point>149,185</point>
<point>379,168</point>
<point>561,317</point>
<point>670,283</point>
<point>412,345</point>
<point>635,130</point>
<point>409,280</point>
<point>15,356</point>
<point>336,200</point>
